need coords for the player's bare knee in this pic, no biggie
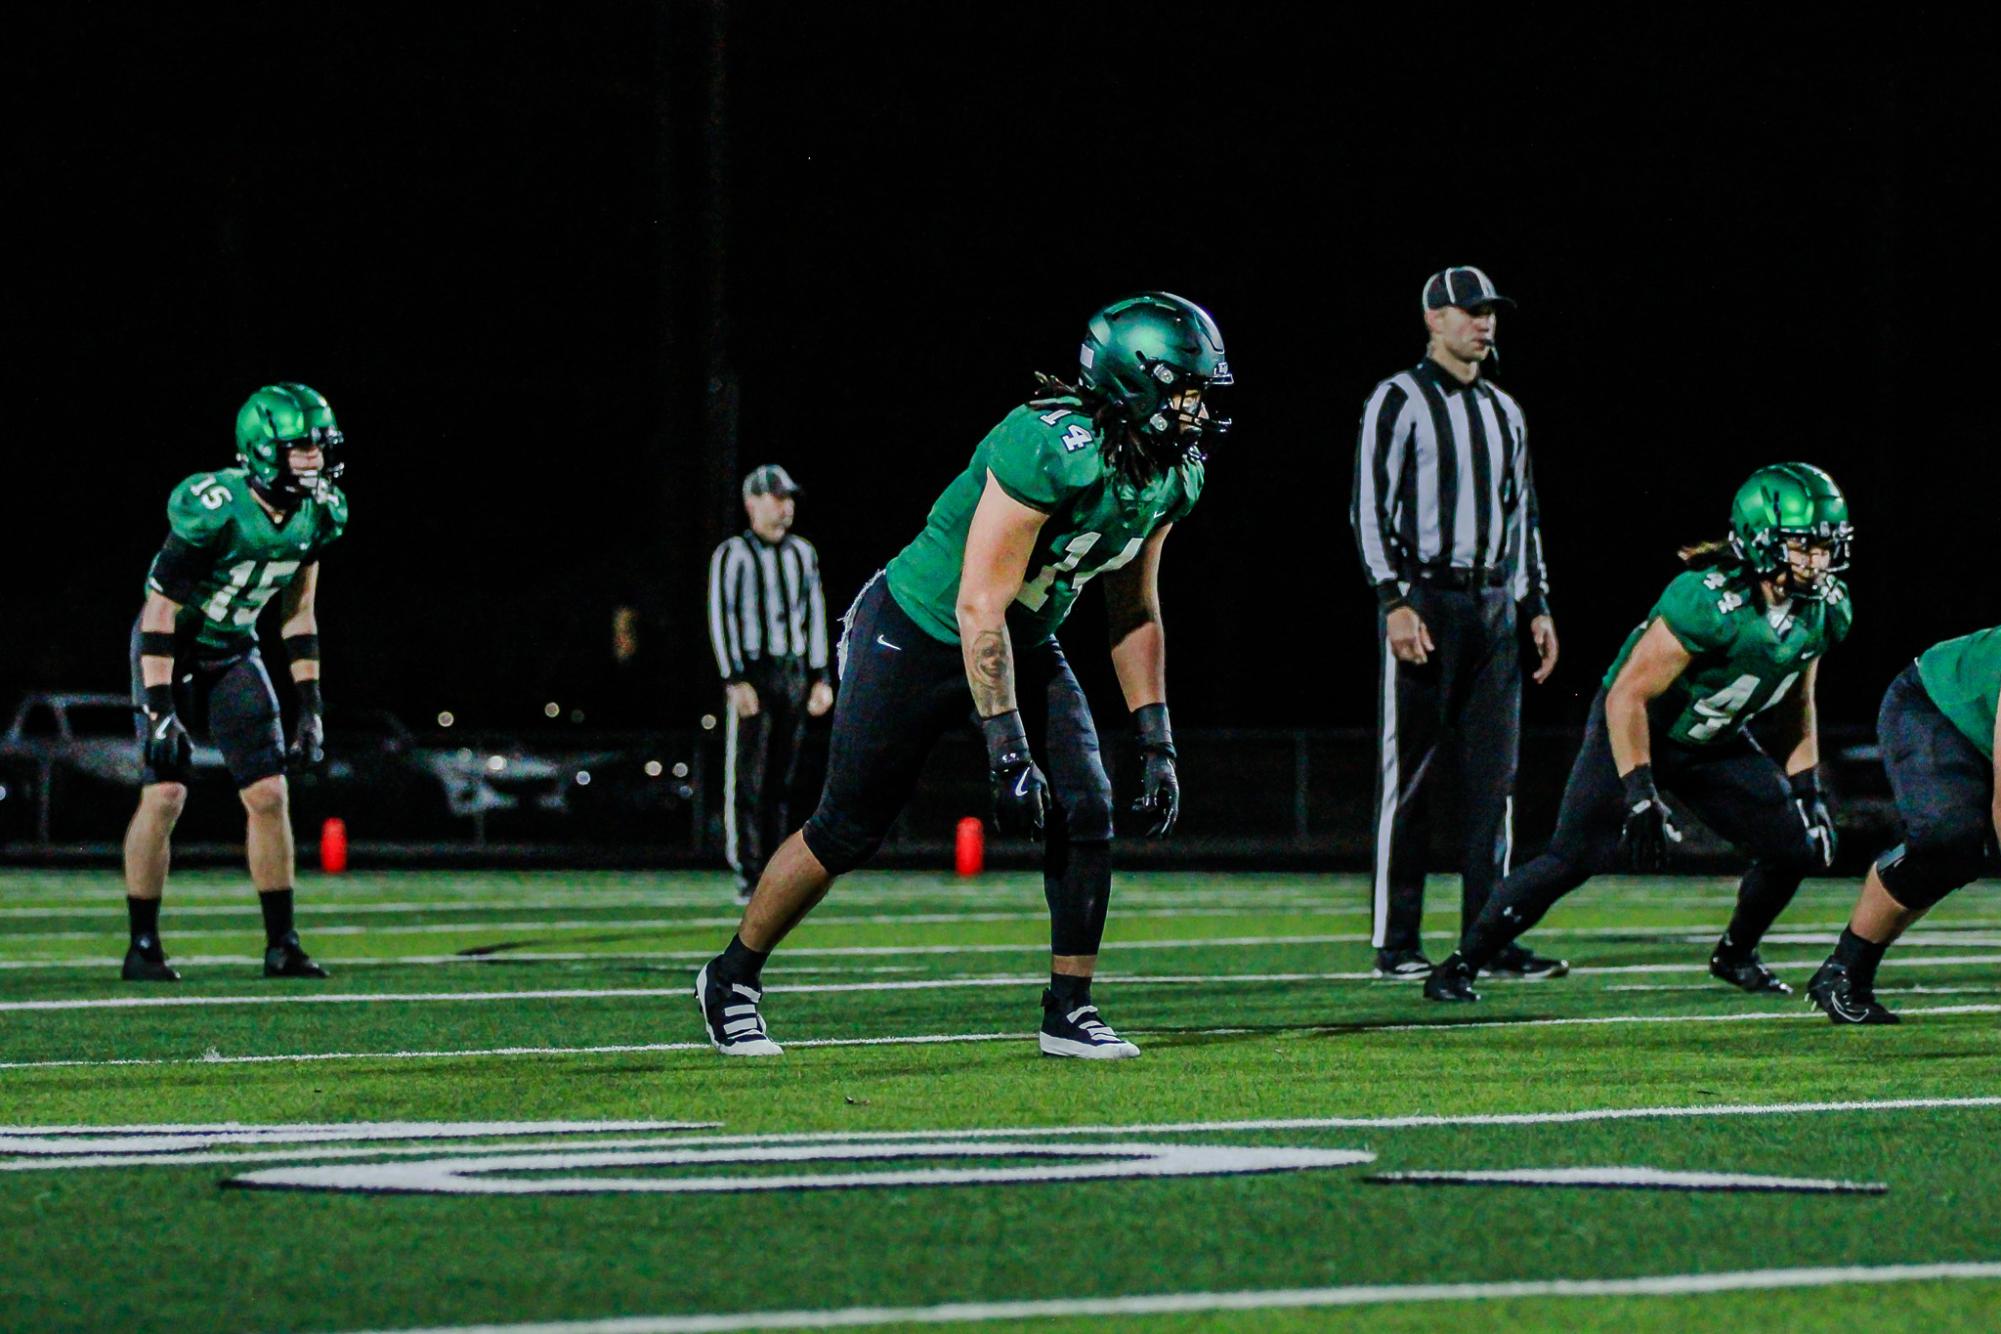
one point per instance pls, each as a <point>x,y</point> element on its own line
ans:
<point>163,801</point>
<point>266,797</point>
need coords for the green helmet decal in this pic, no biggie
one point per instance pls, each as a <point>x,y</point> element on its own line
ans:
<point>1788,500</point>
<point>274,419</point>
<point>1140,351</point>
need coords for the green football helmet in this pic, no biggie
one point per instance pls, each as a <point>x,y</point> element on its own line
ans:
<point>1142,350</point>
<point>272,421</point>
<point>1789,500</point>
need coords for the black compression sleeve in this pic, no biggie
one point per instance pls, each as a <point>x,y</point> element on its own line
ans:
<point>302,648</point>
<point>156,643</point>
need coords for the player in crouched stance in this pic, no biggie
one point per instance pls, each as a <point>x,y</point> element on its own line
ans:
<point>1081,481</point>
<point>1727,640</point>
<point>1938,728</point>
<point>238,537</point>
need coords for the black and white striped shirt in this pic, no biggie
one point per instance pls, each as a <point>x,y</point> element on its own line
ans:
<point>1442,479</point>
<point>765,604</point>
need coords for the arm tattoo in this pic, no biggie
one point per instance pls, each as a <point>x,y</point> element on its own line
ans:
<point>990,671</point>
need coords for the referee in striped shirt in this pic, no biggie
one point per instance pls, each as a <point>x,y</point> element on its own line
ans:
<point>768,625</point>
<point>1445,516</point>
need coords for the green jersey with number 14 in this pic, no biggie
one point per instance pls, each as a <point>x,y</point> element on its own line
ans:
<point>250,556</point>
<point>1745,657</point>
<point>1044,455</point>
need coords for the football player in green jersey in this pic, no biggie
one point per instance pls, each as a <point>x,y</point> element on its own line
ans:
<point>237,538</point>
<point>1939,728</point>
<point>1731,637</point>
<point>1081,481</point>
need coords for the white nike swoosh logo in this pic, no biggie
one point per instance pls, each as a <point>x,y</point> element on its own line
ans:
<point>886,644</point>
<point>1021,784</point>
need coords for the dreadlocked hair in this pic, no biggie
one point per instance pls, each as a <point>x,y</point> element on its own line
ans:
<point>1118,442</point>
<point>1708,555</point>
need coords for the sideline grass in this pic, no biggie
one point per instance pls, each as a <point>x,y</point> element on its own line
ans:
<point>163,1246</point>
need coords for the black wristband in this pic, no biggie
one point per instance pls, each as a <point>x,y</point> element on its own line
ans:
<point>1640,787</point>
<point>156,643</point>
<point>309,695</point>
<point>1007,738</point>
<point>302,648</point>
<point>1151,729</point>
<point>1805,784</point>
<point>1390,596</point>
<point>160,700</point>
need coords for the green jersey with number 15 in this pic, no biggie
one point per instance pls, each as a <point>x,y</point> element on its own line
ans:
<point>1745,657</point>
<point>1044,455</point>
<point>249,555</point>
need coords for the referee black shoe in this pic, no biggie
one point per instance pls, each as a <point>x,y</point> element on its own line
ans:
<point>286,959</point>
<point>1515,961</point>
<point>1746,972</point>
<point>1451,981</point>
<point>1833,992</point>
<point>146,961</point>
<point>1402,964</point>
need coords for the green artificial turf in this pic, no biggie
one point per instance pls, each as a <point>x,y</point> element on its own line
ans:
<point>1244,992</point>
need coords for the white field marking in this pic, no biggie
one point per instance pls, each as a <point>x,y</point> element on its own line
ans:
<point>242,907</point>
<point>631,926</point>
<point>473,1176</point>
<point>1265,1299</point>
<point>819,988</point>
<point>210,1157</point>
<point>1631,1178</point>
<point>865,951</point>
<point>1913,990</point>
<point>176,1139</point>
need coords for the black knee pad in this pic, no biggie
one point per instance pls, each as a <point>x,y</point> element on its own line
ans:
<point>1918,876</point>
<point>1086,815</point>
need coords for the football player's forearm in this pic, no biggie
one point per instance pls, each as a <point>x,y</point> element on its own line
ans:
<point>1626,728</point>
<point>156,618</point>
<point>989,655</point>
<point>1139,659</point>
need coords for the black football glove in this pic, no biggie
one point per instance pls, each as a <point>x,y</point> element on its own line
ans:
<point>1159,784</point>
<point>309,735</point>
<point>169,749</point>
<point>1811,803</point>
<point>1021,793</point>
<point>1649,827</point>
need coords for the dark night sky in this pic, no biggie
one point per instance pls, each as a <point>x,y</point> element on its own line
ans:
<point>487,239</point>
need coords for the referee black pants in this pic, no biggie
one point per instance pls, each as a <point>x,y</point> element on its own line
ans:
<point>1468,695</point>
<point>760,754</point>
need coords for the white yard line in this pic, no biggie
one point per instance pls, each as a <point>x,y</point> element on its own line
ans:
<point>947,1039</point>
<point>155,1001</point>
<point>1268,1299</point>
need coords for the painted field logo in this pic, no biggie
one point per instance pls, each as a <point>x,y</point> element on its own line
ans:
<point>624,1157</point>
<point>1040,1164</point>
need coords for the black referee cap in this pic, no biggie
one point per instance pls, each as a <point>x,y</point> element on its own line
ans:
<point>1464,286</point>
<point>769,480</point>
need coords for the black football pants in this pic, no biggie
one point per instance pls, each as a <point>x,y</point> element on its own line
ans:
<point>1469,694</point>
<point>1734,786</point>
<point>900,691</point>
<point>759,755</point>
<point>228,701</point>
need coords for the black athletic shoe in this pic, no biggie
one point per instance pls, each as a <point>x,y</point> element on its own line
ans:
<point>146,961</point>
<point>286,959</point>
<point>1833,991</point>
<point>1079,1032</point>
<point>1402,963</point>
<point>1451,981</point>
<point>730,1014</point>
<point>1515,961</point>
<point>1747,972</point>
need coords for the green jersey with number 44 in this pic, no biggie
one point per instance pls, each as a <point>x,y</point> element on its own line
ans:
<point>1044,455</point>
<point>1745,657</point>
<point>250,556</point>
